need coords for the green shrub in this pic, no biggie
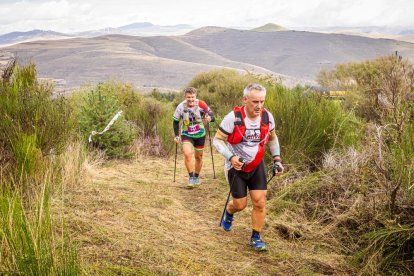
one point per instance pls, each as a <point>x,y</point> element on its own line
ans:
<point>33,124</point>
<point>99,108</point>
<point>379,90</point>
<point>163,96</point>
<point>165,131</point>
<point>309,125</point>
<point>154,121</point>
<point>152,116</point>
<point>146,114</point>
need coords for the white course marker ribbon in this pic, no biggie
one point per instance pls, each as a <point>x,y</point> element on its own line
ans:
<point>93,133</point>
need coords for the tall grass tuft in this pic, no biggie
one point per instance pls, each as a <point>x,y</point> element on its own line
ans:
<point>26,153</point>
<point>390,251</point>
<point>402,161</point>
<point>30,244</point>
<point>154,123</point>
<point>73,163</point>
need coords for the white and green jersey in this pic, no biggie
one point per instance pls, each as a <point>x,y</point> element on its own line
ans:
<point>192,118</point>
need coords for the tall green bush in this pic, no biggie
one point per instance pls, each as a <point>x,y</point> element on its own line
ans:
<point>154,122</point>
<point>34,128</point>
<point>146,114</point>
<point>165,130</point>
<point>379,90</point>
<point>33,123</point>
<point>309,125</point>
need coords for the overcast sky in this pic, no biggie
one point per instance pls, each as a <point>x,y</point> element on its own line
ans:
<point>82,15</point>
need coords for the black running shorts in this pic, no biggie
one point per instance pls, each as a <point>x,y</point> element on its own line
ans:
<point>254,180</point>
<point>198,143</point>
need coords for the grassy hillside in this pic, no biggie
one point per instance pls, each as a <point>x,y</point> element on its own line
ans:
<point>110,206</point>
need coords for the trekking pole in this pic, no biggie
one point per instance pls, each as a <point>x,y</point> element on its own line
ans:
<point>274,169</point>
<point>175,162</point>
<point>211,151</point>
<point>228,196</point>
<point>270,179</point>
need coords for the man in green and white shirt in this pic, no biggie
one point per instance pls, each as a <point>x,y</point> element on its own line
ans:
<point>194,114</point>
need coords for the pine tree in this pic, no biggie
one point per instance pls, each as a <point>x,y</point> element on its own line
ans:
<point>100,107</point>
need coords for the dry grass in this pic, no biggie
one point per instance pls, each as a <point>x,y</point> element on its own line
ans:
<point>78,166</point>
<point>74,164</point>
<point>132,219</point>
<point>148,146</point>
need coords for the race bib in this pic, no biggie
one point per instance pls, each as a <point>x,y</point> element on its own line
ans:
<point>193,129</point>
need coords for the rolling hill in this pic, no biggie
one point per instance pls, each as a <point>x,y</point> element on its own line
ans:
<point>20,37</point>
<point>269,28</point>
<point>171,61</point>
<point>298,54</point>
<point>137,28</point>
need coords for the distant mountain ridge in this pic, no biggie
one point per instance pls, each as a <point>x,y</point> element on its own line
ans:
<point>140,29</point>
<point>18,37</point>
<point>172,61</point>
<point>384,30</point>
<point>149,29</point>
<point>137,28</point>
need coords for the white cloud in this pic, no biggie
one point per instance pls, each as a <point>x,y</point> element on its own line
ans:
<point>78,15</point>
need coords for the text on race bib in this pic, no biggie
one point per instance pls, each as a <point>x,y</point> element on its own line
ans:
<point>193,129</point>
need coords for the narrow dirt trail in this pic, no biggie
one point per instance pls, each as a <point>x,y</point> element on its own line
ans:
<point>132,219</point>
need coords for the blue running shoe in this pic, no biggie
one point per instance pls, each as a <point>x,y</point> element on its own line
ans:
<point>227,221</point>
<point>257,243</point>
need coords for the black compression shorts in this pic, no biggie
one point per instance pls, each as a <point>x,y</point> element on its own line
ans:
<point>198,143</point>
<point>254,180</point>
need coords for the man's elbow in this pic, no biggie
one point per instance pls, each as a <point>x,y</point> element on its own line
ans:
<point>220,135</point>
